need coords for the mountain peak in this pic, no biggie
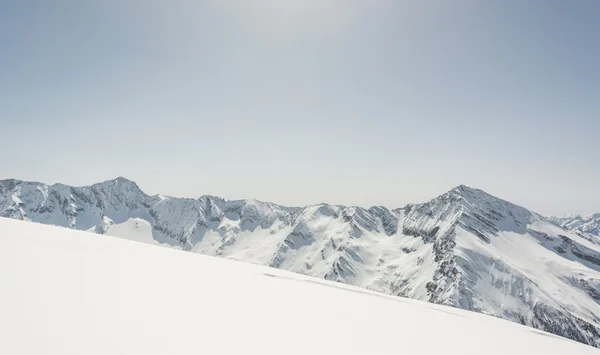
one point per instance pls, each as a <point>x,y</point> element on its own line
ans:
<point>469,192</point>
<point>122,180</point>
<point>471,209</point>
<point>119,181</point>
<point>472,197</point>
<point>463,188</point>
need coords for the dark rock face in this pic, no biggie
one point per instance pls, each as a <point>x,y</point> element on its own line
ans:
<point>554,321</point>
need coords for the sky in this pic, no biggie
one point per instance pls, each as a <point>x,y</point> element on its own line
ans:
<point>382,102</point>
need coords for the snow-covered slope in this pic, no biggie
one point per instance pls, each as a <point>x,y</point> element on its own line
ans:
<point>465,249</point>
<point>67,292</point>
<point>583,224</point>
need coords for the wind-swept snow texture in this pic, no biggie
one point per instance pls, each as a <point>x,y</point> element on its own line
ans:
<point>465,249</point>
<point>67,292</point>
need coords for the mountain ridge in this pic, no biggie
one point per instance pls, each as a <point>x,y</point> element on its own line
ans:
<point>464,248</point>
<point>587,224</point>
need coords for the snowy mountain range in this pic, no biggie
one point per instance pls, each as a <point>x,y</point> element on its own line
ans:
<point>584,225</point>
<point>465,248</point>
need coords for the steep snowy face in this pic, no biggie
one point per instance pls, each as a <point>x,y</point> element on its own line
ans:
<point>584,224</point>
<point>465,248</point>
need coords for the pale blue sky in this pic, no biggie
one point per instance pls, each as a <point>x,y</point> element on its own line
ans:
<point>300,102</point>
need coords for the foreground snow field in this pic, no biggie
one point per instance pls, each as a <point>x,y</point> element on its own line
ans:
<point>70,292</point>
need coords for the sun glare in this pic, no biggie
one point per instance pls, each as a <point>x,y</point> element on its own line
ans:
<point>298,17</point>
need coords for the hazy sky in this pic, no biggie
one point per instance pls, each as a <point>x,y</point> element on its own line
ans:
<point>299,102</point>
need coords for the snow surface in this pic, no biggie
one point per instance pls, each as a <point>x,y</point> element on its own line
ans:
<point>69,292</point>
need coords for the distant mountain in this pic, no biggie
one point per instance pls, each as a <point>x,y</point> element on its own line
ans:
<point>582,224</point>
<point>465,248</point>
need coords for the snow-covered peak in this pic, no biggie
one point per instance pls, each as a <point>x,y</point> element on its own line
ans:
<point>119,184</point>
<point>118,180</point>
<point>472,209</point>
<point>475,198</point>
<point>465,189</point>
